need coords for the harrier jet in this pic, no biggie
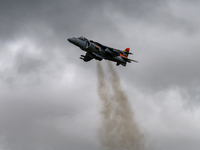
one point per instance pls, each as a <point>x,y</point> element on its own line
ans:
<point>98,51</point>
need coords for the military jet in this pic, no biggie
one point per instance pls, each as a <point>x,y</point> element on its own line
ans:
<point>98,51</point>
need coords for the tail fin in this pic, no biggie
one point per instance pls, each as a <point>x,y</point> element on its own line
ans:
<point>127,51</point>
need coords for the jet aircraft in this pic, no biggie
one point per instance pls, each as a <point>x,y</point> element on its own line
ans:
<point>98,51</point>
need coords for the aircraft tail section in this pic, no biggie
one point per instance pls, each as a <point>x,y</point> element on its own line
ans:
<point>126,56</point>
<point>126,51</point>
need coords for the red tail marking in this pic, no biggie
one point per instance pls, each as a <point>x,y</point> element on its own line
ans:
<point>127,49</point>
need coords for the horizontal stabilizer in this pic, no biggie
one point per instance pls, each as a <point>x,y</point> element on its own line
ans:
<point>133,60</point>
<point>128,53</point>
<point>129,60</point>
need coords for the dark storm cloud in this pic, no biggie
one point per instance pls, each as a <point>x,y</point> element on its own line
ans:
<point>45,81</point>
<point>15,14</point>
<point>73,17</point>
<point>50,23</point>
<point>175,70</point>
<point>67,16</point>
<point>171,57</point>
<point>29,119</point>
<point>153,12</point>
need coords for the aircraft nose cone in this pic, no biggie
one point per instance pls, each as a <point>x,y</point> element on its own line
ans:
<point>70,40</point>
<point>73,41</point>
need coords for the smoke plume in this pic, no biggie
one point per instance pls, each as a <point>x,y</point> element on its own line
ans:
<point>118,130</point>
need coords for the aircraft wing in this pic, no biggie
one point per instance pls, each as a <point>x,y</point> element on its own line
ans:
<point>98,56</point>
<point>106,48</point>
<point>133,60</point>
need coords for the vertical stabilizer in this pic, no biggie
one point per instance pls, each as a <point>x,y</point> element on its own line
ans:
<point>127,51</point>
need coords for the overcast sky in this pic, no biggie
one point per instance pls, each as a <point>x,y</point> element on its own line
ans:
<point>48,96</point>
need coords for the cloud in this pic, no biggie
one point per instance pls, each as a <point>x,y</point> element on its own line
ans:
<point>155,13</point>
<point>48,96</point>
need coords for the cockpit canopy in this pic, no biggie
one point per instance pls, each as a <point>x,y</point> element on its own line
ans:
<point>82,38</point>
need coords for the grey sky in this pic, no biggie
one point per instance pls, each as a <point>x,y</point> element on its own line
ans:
<point>48,97</point>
